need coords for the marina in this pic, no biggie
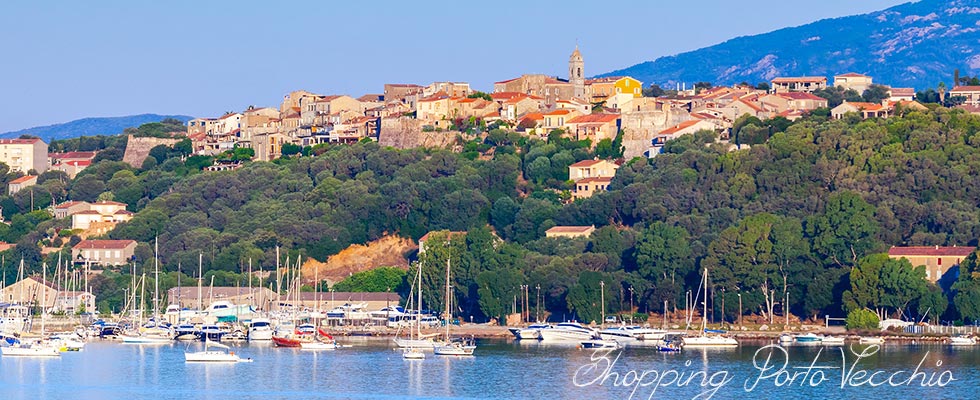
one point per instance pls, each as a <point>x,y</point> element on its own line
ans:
<point>371,368</point>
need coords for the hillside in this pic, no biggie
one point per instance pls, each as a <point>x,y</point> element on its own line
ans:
<point>91,126</point>
<point>910,45</point>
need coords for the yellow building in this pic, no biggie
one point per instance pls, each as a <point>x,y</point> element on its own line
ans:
<point>601,88</point>
<point>23,155</point>
<point>937,260</point>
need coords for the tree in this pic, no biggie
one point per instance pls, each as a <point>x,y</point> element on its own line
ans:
<point>663,256</point>
<point>862,319</point>
<point>382,279</point>
<point>845,231</point>
<point>653,90</point>
<point>875,94</point>
<point>480,95</point>
<point>289,149</point>
<point>496,289</point>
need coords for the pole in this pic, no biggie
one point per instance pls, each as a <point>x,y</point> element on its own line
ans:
<point>740,311</point>
<point>537,304</point>
<point>602,299</point>
<point>631,305</point>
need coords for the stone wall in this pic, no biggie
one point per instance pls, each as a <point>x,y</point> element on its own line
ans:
<point>406,133</point>
<point>640,127</point>
<point>138,148</point>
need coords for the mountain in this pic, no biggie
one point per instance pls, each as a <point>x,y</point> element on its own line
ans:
<point>909,45</point>
<point>92,126</point>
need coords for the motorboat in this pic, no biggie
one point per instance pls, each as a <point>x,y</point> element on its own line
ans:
<point>32,349</point>
<point>237,335</point>
<point>630,333</point>
<point>67,342</point>
<point>832,341</point>
<point>14,318</point>
<point>532,332</point>
<point>213,333</point>
<point>219,356</point>
<point>186,332</point>
<point>260,330</point>
<point>458,347</point>
<point>110,330</point>
<point>709,341</point>
<point>618,333</point>
<point>388,312</point>
<point>871,340</point>
<point>808,338</point>
<point>786,338</point>
<point>604,344</point>
<point>962,341</point>
<point>226,310</point>
<point>281,341</point>
<point>669,346</point>
<point>568,331</point>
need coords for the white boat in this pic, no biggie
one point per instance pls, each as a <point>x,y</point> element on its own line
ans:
<point>260,330</point>
<point>413,354</point>
<point>962,341</point>
<point>140,339</point>
<point>415,339</point>
<point>604,344</point>
<point>226,309</point>
<point>786,338</point>
<point>14,318</point>
<point>808,338</point>
<point>463,347</point>
<point>532,332</point>
<point>705,340</point>
<point>626,334</point>
<point>35,349</point>
<point>832,341</point>
<point>871,340</point>
<point>67,342</point>
<point>218,356</point>
<point>568,331</point>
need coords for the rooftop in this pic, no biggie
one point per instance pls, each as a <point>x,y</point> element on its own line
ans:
<point>933,251</point>
<point>24,179</point>
<point>570,229</point>
<point>104,244</point>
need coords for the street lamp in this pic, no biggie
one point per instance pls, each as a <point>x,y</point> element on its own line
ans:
<point>631,304</point>
<point>602,299</point>
<point>740,310</point>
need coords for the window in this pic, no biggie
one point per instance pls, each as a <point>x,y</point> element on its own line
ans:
<point>939,261</point>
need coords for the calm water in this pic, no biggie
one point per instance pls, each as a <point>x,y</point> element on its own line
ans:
<point>501,370</point>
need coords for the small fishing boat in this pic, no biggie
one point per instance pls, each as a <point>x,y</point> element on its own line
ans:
<point>962,341</point>
<point>287,341</point>
<point>871,340</point>
<point>219,356</point>
<point>413,354</point>
<point>604,344</point>
<point>669,346</point>
<point>456,347</point>
<point>832,341</point>
<point>808,338</point>
<point>785,338</point>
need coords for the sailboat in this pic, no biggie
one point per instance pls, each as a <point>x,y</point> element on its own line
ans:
<point>416,340</point>
<point>415,353</point>
<point>206,355</point>
<point>40,348</point>
<point>704,340</point>
<point>155,332</point>
<point>453,347</point>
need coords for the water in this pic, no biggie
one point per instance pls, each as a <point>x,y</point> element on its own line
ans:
<point>500,370</point>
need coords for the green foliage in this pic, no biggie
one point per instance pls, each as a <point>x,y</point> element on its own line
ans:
<point>383,279</point>
<point>862,319</point>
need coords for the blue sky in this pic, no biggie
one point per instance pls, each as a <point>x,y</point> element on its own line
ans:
<point>71,59</point>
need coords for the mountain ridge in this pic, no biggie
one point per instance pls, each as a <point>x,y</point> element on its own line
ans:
<point>909,45</point>
<point>91,126</point>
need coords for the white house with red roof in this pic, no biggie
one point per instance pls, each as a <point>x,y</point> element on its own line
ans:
<point>970,94</point>
<point>21,183</point>
<point>100,217</point>
<point>592,169</point>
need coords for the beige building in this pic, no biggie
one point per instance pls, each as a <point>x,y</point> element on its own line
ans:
<point>518,106</point>
<point>937,260</point>
<point>268,146</point>
<point>592,169</point>
<point>569,231</point>
<point>780,102</point>
<point>438,107</point>
<point>30,290</point>
<point>23,155</point>
<point>103,252</point>
<point>855,81</point>
<point>69,208</point>
<point>799,84</point>
<point>453,89</point>
<point>101,217</point>
<point>21,183</point>
<point>585,188</point>
<point>594,127</point>
<point>971,94</point>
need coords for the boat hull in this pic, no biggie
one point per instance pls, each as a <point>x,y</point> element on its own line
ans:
<point>30,351</point>
<point>454,350</point>
<point>709,341</point>
<point>287,342</point>
<point>211,356</point>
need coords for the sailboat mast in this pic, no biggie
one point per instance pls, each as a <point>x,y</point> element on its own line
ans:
<point>418,315</point>
<point>156,281</point>
<point>44,278</point>
<point>447,300</point>
<point>200,280</point>
<point>704,315</point>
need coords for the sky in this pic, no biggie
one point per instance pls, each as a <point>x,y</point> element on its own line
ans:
<point>64,60</point>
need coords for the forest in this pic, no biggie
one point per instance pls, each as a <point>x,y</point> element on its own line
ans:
<point>797,222</point>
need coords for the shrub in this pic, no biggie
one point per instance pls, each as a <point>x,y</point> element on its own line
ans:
<point>862,319</point>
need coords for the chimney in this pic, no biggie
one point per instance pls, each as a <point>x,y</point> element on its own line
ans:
<point>937,247</point>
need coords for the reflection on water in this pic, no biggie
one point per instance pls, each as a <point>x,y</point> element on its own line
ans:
<point>501,369</point>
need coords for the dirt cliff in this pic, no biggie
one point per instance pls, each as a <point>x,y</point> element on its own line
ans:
<point>389,251</point>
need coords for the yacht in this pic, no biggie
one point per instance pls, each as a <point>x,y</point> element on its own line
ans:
<point>808,338</point>
<point>212,333</point>
<point>962,341</point>
<point>260,330</point>
<point>604,344</point>
<point>568,331</point>
<point>705,340</point>
<point>34,349</point>
<point>456,347</point>
<point>871,340</point>
<point>632,333</point>
<point>786,338</point>
<point>532,332</point>
<point>186,332</point>
<point>14,319</point>
<point>224,309</point>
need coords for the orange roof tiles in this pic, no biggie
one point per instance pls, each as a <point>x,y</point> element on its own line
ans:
<point>23,179</point>
<point>677,128</point>
<point>104,244</point>
<point>584,119</point>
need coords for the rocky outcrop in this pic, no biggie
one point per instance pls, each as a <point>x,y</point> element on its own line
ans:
<point>389,251</point>
<point>138,148</point>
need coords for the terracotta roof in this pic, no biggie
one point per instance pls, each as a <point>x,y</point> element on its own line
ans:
<point>936,251</point>
<point>229,115</point>
<point>79,163</point>
<point>969,108</point>
<point>88,212</point>
<point>864,106</point>
<point>583,119</point>
<point>23,179</point>
<point>534,116</point>
<point>800,79</point>
<point>586,163</point>
<point>522,97</point>
<point>371,97</point>
<point>440,95</point>
<point>679,127</point>
<point>19,141</point>
<point>72,154</point>
<point>750,103</point>
<point>499,96</point>
<point>560,111</point>
<point>966,89</point>
<point>570,229</point>
<point>903,92</point>
<point>123,212</point>
<point>852,75</point>
<point>69,204</point>
<point>509,80</point>
<point>104,244</point>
